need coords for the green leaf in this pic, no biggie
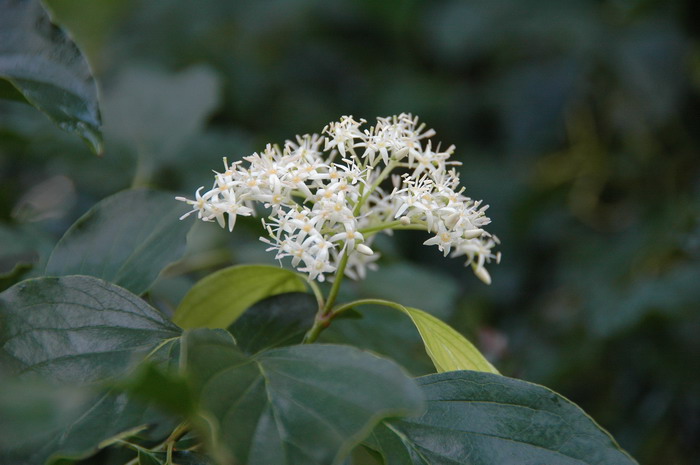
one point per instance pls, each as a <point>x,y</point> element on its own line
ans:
<point>91,24</point>
<point>47,68</point>
<point>127,239</point>
<point>76,328</point>
<point>148,459</point>
<point>384,331</point>
<point>219,299</point>
<point>106,416</point>
<point>10,92</point>
<point>162,387</point>
<point>481,418</point>
<point>44,421</point>
<point>80,329</point>
<point>32,411</point>
<point>305,404</point>
<point>16,251</point>
<point>183,458</point>
<point>448,349</point>
<point>277,321</point>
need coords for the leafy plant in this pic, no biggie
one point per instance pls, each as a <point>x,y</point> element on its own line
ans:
<point>90,367</point>
<point>44,67</point>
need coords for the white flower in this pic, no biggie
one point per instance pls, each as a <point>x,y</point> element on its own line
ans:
<point>323,208</point>
<point>199,205</point>
<point>231,208</point>
<point>342,134</point>
<point>444,239</point>
<point>349,237</point>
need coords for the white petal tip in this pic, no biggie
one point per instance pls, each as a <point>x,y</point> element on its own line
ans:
<point>364,250</point>
<point>483,275</point>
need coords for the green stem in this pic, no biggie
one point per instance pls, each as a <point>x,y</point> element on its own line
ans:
<point>392,225</point>
<point>161,345</point>
<point>169,454</point>
<point>339,275</point>
<point>322,319</point>
<point>365,195</point>
<point>175,436</point>
<point>418,226</point>
<point>350,305</point>
<point>314,332</point>
<point>325,312</point>
<point>317,292</point>
<point>133,446</point>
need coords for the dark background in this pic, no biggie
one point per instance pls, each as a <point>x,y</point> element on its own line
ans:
<point>577,121</point>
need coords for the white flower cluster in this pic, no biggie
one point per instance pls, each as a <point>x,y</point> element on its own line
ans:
<point>328,196</point>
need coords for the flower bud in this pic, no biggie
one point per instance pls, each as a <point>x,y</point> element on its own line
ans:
<point>473,233</point>
<point>482,274</point>
<point>364,250</point>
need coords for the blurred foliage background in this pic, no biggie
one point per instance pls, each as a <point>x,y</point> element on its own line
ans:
<point>578,121</point>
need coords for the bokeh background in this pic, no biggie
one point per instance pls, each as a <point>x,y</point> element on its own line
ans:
<point>578,121</point>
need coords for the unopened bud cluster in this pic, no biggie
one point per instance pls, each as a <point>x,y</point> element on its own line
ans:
<point>328,196</point>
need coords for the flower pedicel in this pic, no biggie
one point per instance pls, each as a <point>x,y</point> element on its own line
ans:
<point>327,197</point>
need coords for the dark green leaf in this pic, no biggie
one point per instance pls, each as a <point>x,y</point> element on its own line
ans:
<point>90,23</point>
<point>76,328</point>
<point>219,299</point>
<point>10,92</point>
<point>184,457</point>
<point>191,458</point>
<point>32,411</point>
<point>481,418</point>
<point>23,249</point>
<point>80,434</point>
<point>43,63</point>
<point>126,239</point>
<point>305,404</point>
<point>148,459</point>
<point>384,331</point>
<point>163,388</point>
<point>276,321</point>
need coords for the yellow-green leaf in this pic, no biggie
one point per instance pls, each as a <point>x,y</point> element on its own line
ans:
<point>448,349</point>
<point>217,300</point>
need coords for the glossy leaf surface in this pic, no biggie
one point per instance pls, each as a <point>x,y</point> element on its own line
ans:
<point>305,404</point>
<point>273,322</point>
<point>219,299</point>
<point>126,239</point>
<point>481,418</point>
<point>76,328</point>
<point>56,426</point>
<point>384,331</point>
<point>47,68</point>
